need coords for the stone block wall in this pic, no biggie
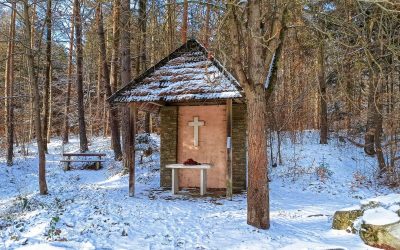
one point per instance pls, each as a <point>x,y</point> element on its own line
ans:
<point>169,138</point>
<point>239,147</point>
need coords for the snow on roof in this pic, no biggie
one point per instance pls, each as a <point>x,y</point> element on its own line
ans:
<point>188,73</point>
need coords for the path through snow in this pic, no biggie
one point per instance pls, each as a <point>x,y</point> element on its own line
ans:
<point>91,210</point>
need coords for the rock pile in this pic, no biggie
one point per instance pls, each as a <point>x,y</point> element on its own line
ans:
<point>376,220</point>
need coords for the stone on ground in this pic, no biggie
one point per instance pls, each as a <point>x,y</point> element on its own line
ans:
<point>344,219</point>
<point>381,236</point>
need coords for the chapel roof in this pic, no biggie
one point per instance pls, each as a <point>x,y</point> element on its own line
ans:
<point>187,74</point>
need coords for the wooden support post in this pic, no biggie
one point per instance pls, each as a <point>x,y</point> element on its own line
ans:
<point>229,149</point>
<point>131,145</point>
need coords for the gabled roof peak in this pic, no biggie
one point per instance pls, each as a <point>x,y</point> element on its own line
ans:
<point>188,73</point>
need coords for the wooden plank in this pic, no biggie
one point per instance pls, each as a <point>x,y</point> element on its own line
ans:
<point>83,154</point>
<point>131,160</point>
<point>82,161</point>
<point>229,183</point>
<point>159,103</point>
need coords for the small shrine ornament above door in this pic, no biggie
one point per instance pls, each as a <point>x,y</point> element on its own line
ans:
<point>196,124</point>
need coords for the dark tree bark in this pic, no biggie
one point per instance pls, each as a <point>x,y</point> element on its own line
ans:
<point>69,83</point>
<point>378,123</point>
<point>143,34</point>
<point>79,77</point>
<point>128,139</point>
<point>378,140</point>
<point>184,21</point>
<point>47,81</point>
<point>257,192</point>
<point>142,63</point>
<point>323,115</point>
<point>207,24</point>
<point>115,136</point>
<point>36,100</point>
<point>100,111</point>
<point>9,88</point>
<point>369,137</point>
<point>115,46</point>
<point>171,26</point>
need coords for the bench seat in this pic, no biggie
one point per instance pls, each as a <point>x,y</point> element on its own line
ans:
<point>83,154</point>
<point>82,160</point>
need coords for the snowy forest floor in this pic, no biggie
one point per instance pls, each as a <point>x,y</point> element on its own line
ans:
<point>88,209</point>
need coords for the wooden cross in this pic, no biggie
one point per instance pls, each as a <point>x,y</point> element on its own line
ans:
<point>196,124</point>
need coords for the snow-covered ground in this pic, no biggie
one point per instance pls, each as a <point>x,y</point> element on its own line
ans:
<point>88,209</point>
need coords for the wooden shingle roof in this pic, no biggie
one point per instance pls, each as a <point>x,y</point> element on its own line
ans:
<point>187,74</point>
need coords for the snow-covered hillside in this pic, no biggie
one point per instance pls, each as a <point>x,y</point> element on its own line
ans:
<point>89,209</point>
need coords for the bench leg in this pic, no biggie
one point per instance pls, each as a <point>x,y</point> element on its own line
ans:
<point>97,165</point>
<point>203,181</point>
<point>175,181</point>
<point>66,166</point>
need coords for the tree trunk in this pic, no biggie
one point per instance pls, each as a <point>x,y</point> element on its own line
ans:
<point>32,42</point>
<point>69,83</point>
<point>371,116</point>
<point>79,77</point>
<point>207,24</point>
<point>143,30</point>
<point>49,124</point>
<point>184,21</point>
<point>251,74</point>
<point>128,139</point>
<point>349,94</point>
<point>115,136</point>
<point>142,63</point>
<point>131,147</point>
<point>378,141</point>
<point>323,115</point>
<point>47,82</point>
<point>100,111</point>
<point>115,46</point>
<point>9,88</point>
<point>151,30</point>
<point>378,122</point>
<point>278,135</point>
<point>36,101</point>
<point>171,26</point>
<point>257,191</point>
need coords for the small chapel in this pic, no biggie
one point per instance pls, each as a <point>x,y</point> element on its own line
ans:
<point>203,119</point>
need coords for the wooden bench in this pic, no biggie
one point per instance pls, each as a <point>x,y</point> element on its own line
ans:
<point>175,175</point>
<point>67,159</point>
